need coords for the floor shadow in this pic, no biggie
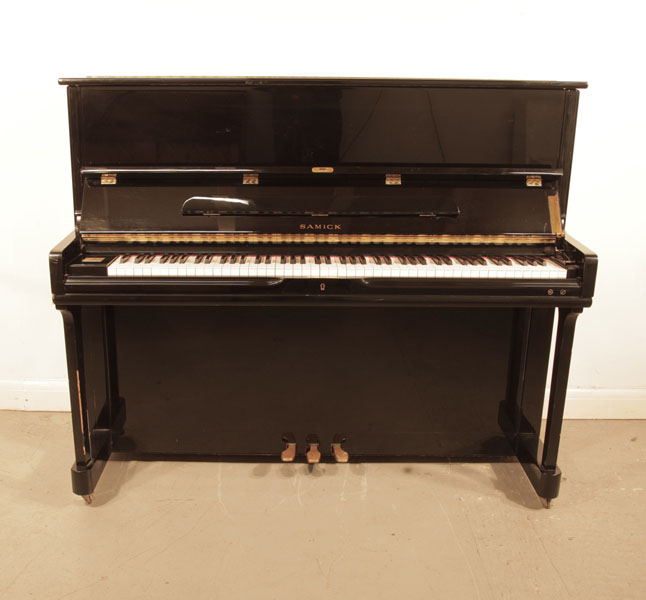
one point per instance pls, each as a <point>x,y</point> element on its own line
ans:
<point>506,476</point>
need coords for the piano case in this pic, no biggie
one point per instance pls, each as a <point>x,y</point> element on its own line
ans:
<point>356,370</point>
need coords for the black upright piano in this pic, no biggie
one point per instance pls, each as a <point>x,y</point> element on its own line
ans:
<point>319,270</point>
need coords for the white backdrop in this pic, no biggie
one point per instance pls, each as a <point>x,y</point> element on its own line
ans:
<point>602,44</point>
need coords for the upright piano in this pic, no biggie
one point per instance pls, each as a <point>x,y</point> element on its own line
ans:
<point>319,270</point>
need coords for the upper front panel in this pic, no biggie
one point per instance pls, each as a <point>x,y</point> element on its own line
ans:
<point>319,125</point>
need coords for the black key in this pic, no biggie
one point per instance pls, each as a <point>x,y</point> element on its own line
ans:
<point>208,258</point>
<point>362,259</point>
<point>421,260</point>
<point>225,259</point>
<point>387,260</point>
<point>149,258</point>
<point>461,260</point>
<point>437,260</point>
<point>530,260</point>
<point>447,260</point>
<point>199,258</point>
<point>495,260</point>
<point>283,260</point>
<point>480,260</point>
<point>540,261</point>
<point>519,259</point>
<point>505,260</point>
<point>139,258</point>
<point>183,258</point>
<point>267,259</point>
<point>328,260</point>
<point>258,259</point>
<point>174,258</point>
<point>292,260</point>
<point>342,260</point>
<point>376,259</point>
<point>401,259</point>
<point>164,258</point>
<point>317,260</point>
<point>243,260</point>
<point>301,260</point>
<point>124,258</point>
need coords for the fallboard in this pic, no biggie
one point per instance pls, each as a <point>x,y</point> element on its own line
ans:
<point>407,213</point>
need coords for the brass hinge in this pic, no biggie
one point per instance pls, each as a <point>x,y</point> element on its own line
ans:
<point>533,181</point>
<point>556,221</point>
<point>393,179</point>
<point>108,179</point>
<point>250,179</point>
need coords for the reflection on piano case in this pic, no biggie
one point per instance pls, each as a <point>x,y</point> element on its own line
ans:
<point>319,270</point>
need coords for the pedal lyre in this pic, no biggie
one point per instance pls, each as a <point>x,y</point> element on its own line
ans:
<point>340,455</point>
<point>289,453</point>
<point>313,453</point>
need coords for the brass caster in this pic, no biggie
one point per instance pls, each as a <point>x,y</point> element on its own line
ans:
<point>89,498</point>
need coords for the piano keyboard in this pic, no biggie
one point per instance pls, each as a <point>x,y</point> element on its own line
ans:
<point>334,267</point>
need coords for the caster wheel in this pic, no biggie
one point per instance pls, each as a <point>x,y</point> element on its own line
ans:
<point>89,498</point>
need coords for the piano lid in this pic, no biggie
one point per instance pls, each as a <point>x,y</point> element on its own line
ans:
<point>456,129</point>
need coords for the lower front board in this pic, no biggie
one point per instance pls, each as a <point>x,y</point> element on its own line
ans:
<point>399,383</point>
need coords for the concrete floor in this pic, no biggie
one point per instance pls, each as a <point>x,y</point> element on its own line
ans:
<point>221,530</point>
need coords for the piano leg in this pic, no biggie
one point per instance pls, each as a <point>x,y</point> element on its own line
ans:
<point>95,423</point>
<point>558,390</point>
<point>520,416</point>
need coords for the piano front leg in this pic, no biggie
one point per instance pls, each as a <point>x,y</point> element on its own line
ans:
<point>558,390</point>
<point>94,426</point>
<point>521,418</point>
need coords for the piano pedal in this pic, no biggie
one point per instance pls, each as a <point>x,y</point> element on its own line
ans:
<point>289,453</point>
<point>313,453</point>
<point>340,455</point>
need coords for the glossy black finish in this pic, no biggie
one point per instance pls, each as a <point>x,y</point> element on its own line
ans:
<point>333,201</point>
<point>320,125</point>
<point>399,382</point>
<point>336,81</point>
<point>467,209</point>
<point>284,123</point>
<point>406,369</point>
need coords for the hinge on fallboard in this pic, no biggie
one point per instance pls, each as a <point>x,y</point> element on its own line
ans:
<point>533,181</point>
<point>250,179</point>
<point>108,178</point>
<point>393,179</point>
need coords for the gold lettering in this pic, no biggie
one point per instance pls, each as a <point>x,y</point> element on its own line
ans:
<point>320,226</point>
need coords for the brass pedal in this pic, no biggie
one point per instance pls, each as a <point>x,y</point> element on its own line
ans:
<point>313,453</point>
<point>289,453</point>
<point>340,455</point>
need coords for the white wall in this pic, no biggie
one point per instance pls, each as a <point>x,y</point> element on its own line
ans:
<point>602,44</point>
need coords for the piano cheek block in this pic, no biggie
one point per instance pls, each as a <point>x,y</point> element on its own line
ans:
<point>334,282</point>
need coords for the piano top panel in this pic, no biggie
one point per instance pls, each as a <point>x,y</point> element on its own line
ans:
<point>457,126</point>
<point>358,81</point>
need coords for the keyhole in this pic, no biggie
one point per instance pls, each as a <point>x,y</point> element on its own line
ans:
<point>322,286</point>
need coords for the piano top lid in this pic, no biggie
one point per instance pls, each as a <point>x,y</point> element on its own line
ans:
<point>461,130</point>
<point>354,81</point>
